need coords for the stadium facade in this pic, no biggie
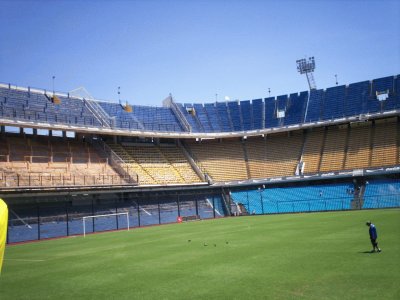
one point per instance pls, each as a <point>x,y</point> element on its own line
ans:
<point>64,157</point>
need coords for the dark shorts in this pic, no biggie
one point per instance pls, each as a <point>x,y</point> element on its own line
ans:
<point>373,242</point>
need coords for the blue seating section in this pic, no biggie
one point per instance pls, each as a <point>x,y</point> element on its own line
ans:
<point>296,199</point>
<point>382,193</point>
<point>25,105</point>
<point>357,93</point>
<point>203,117</point>
<point>397,91</point>
<point>234,112</point>
<point>270,113</point>
<point>245,107</point>
<point>223,116</point>
<point>382,85</point>
<point>191,117</point>
<point>295,108</point>
<point>316,105</point>
<point>334,100</point>
<point>212,113</point>
<point>142,117</point>
<point>258,119</point>
<point>321,105</point>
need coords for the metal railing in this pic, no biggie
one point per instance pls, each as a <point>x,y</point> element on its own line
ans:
<point>115,161</point>
<point>98,112</point>
<point>52,180</point>
<point>169,102</point>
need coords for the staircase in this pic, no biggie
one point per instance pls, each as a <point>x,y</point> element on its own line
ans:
<point>97,111</point>
<point>143,176</point>
<point>169,102</point>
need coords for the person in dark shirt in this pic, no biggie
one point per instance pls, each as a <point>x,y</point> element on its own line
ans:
<point>373,235</point>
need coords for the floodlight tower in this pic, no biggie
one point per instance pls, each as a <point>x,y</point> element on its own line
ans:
<point>307,67</point>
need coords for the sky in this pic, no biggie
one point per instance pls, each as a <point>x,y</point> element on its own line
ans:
<point>197,50</point>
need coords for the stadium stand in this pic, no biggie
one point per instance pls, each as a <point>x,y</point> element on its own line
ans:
<point>384,143</point>
<point>247,116</point>
<point>314,106</point>
<point>203,117</point>
<point>358,152</point>
<point>334,103</point>
<point>319,150</point>
<point>334,148</point>
<point>382,193</point>
<point>258,115</point>
<point>312,151</point>
<point>275,155</point>
<point>220,160</point>
<point>295,199</point>
<point>295,108</point>
<point>44,161</point>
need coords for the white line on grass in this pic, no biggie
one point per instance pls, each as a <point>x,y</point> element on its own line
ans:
<point>24,260</point>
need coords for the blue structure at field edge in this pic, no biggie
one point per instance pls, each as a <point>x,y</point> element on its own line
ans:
<point>375,193</point>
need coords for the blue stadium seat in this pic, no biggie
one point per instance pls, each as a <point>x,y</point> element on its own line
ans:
<point>356,99</point>
<point>296,199</point>
<point>203,117</point>
<point>382,193</point>
<point>246,110</point>
<point>190,117</point>
<point>212,113</point>
<point>222,110</point>
<point>295,108</point>
<point>258,113</point>
<point>270,113</point>
<point>234,113</point>
<point>334,103</point>
<point>314,106</point>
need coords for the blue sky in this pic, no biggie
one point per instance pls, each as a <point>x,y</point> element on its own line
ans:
<point>195,49</point>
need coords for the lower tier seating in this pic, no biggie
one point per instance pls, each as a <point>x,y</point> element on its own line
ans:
<point>295,199</point>
<point>382,193</point>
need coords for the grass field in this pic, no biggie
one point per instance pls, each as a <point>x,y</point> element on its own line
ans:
<point>302,256</point>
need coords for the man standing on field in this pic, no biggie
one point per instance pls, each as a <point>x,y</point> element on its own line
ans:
<point>373,235</point>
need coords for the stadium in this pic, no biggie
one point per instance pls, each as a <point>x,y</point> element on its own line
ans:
<point>66,157</point>
<point>262,198</point>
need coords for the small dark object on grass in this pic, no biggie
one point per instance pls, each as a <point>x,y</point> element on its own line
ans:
<point>215,245</point>
<point>189,241</point>
<point>227,242</point>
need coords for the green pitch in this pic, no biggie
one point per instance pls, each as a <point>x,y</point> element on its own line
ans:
<point>302,256</point>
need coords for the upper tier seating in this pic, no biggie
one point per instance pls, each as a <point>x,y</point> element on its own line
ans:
<point>142,117</point>
<point>317,105</point>
<point>26,105</point>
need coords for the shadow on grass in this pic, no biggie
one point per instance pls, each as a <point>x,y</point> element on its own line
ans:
<point>367,252</point>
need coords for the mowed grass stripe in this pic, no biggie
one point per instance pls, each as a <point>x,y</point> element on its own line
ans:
<point>302,256</point>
